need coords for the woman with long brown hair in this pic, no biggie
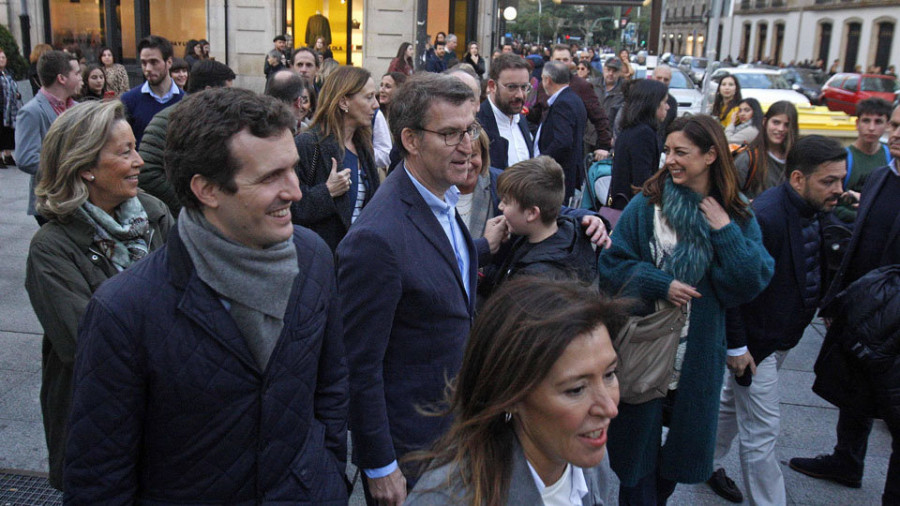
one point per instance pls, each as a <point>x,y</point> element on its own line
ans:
<point>688,238</point>
<point>337,168</point>
<point>532,402</point>
<point>403,62</point>
<point>762,165</point>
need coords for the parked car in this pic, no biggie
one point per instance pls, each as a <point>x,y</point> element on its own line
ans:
<point>694,66</point>
<point>844,90</point>
<point>806,81</point>
<point>767,86</point>
<point>685,92</point>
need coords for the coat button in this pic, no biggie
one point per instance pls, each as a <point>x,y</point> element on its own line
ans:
<point>95,258</point>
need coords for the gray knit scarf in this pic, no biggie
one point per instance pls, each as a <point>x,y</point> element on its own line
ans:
<point>690,259</point>
<point>255,283</point>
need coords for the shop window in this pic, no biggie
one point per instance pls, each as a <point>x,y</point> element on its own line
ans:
<point>79,23</point>
<point>308,19</point>
<point>179,21</point>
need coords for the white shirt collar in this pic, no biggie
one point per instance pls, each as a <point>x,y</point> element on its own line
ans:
<point>553,97</point>
<point>579,484</point>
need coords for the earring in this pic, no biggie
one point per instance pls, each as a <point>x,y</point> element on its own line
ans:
<point>507,417</point>
<point>345,109</point>
<point>92,177</point>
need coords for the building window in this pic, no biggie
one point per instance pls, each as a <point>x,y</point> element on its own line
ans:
<point>779,43</point>
<point>761,41</point>
<point>338,21</point>
<point>824,41</point>
<point>883,47</point>
<point>851,49</point>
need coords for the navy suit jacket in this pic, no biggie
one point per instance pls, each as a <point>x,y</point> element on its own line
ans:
<point>776,319</point>
<point>406,320</point>
<point>561,137</point>
<point>500,145</point>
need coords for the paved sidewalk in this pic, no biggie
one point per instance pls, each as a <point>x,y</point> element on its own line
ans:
<point>807,421</point>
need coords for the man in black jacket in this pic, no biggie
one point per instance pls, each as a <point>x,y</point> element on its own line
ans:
<point>875,243</point>
<point>761,332</point>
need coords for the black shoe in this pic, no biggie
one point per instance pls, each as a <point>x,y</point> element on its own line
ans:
<point>8,160</point>
<point>725,486</point>
<point>827,467</point>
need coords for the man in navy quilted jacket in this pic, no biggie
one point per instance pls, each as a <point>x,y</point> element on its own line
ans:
<point>213,372</point>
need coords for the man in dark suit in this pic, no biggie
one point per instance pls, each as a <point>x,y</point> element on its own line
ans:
<point>407,274</point>
<point>60,81</point>
<point>875,243</point>
<point>585,91</point>
<point>761,332</point>
<point>560,134</point>
<point>500,114</point>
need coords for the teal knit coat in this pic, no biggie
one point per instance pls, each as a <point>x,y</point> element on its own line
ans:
<point>740,269</point>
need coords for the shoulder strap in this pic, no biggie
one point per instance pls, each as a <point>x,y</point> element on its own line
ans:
<point>311,174</point>
<point>849,166</point>
<point>751,169</point>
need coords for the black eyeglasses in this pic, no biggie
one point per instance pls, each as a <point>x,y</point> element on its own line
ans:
<point>455,137</point>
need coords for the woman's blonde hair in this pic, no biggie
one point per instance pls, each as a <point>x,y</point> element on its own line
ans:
<point>72,145</point>
<point>38,51</point>
<point>329,118</point>
<point>484,143</point>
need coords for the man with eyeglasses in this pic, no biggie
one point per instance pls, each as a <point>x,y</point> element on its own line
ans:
<point>407,274</point>
<point>500,114</point>
<point>585,91</point>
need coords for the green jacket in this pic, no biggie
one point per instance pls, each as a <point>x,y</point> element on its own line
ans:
<point>153,179</point>
<point>63,270</point>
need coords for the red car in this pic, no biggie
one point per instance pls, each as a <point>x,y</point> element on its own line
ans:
<point>843,90</point>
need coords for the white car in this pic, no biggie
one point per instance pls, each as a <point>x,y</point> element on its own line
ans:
<point>685,92</point>
<point>767,86</point>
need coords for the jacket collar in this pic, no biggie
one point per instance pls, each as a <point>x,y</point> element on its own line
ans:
<point>423,219</point>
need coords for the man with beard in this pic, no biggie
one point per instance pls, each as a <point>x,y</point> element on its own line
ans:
<point>158,91</point>
<point>762,331</point>
<point>875,243</point>
<point>507,129</point>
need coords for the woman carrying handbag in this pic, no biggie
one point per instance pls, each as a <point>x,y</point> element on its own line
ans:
<point>690,240</point>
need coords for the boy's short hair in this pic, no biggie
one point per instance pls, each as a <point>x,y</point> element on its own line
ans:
<point>538,182</point>
<point>875,106</point>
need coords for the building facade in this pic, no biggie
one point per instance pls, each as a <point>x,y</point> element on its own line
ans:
<point>856,33</point>
<point>240,32</point>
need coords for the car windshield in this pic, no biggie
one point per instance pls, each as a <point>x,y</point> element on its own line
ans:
<point>697,63</point>
<point>762,81</point>
<point>884,85</point>
<point>680,81</point>
<point>807,77</point>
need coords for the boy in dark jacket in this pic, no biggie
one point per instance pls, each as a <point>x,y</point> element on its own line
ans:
<point>531,194</point>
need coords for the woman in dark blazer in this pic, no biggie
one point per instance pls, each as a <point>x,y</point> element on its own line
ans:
<point>636,155</point>
<point>337,169</point>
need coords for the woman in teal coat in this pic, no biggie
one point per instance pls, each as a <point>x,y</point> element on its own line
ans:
<point>689,238</point>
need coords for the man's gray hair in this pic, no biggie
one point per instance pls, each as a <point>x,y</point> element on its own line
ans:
<point>412,102</point>
<point>450,37</point>
<point>663,66</point>
<point>558,72</point>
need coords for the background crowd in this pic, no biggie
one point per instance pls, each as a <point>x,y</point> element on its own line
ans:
<point>502,227</point>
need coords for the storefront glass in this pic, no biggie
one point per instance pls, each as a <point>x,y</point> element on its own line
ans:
<point>308,19</point>
<point>77,23</point>
<point>179,21</point>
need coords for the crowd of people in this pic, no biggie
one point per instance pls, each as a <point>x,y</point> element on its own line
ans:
<point>230,283</point>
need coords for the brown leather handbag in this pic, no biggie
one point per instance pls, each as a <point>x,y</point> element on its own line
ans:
<point>646,346</point>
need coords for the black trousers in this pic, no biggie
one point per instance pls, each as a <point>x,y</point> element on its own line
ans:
<point>853,441</point>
